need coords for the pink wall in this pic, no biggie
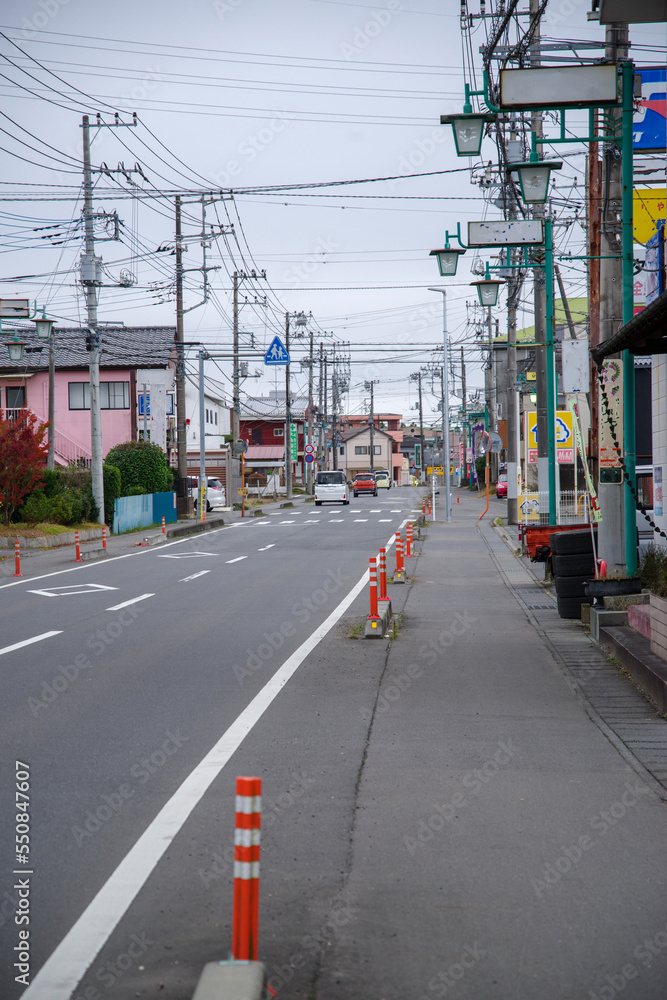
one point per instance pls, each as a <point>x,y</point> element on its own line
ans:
<point>75,424</point>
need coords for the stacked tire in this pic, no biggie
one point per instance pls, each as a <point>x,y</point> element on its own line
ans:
<point>573,563</point>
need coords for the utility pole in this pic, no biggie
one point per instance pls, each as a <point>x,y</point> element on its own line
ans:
<point>326,412</point>
<point>236,395</point>
<point>91,282</point>
<point>611,529</point>
<point>464,415</point>
<point>288,419</point>
<point>371,423</point>
<point>445,403</point>
<point>513,289</point>
<point>417,377</point>
<point>181,441</point>
<point>311,403</point>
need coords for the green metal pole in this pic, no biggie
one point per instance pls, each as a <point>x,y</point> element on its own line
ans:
<point>627,79</point>
<point>551,368</point>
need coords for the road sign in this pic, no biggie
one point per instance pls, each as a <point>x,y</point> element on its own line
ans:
<point>435,470</point>
<point>276,354</point>
<point>309,458</point>
<point>496,442</point>
<point>294,441</point>
<point>564,435</point>
<point>14,308</point>
<point>309,449</point>
<point>147,397</point>
<point>521,232</point>
<point>648,124</point>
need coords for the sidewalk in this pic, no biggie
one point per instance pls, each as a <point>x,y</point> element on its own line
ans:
<point>510,822</point>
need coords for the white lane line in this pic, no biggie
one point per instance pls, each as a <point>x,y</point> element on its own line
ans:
<point>187,555</point>
<point>66,966</point>
<point>202,572</point>
<point>392,511</point>
<point>265,547</point>
<point>28,642</point>
<point>385,520</point>
<point>238,559</point>
<point>134,600</point>
<point>360,520</point>
<point>285,522</point>
<point>336,520</point>
<point>311,521</point>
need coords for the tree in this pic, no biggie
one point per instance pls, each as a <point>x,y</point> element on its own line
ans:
<point>22,460</point>
<point>141,464</point>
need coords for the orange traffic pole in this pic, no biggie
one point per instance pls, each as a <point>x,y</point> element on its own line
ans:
<point>373,587</point>
<point>78,547</point>
<point>104,536</point>
<point>17,559</point>
<point>487,489</point>
<point>399,553</point>
<point>245,918</point>
<point>164,527</point>
<point>408,540</point>
<point>383,596</point>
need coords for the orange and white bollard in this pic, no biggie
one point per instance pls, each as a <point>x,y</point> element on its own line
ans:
<point>245,919</point>
<point>164,527</point>
<point>104,537</point>
<point>457,496</point>
<point>429,507</point>
<point>78,547</point>
<point>373,586</point>
<point>17,559</point>
<point>400,566</point>
<point>383,595</point>
<point>424,506</point>
<point>408,541</point>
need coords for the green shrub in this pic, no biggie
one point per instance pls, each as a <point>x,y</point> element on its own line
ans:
<point>37,508</point>
<point>53,482</point>
<point>62,509</point>
<point>136,491</point>
<point>653,570</point>
<point>141,464</point>
<point>112,487</point>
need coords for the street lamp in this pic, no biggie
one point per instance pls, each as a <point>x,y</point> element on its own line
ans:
<point>15,348</point>
<point>45,332</point>
<point>468,128</point>
<point>488,288</point>
<point>447,259</point>
<point>534,175</point>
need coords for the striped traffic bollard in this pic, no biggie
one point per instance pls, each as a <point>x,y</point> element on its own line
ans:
<point>164,527</point>
<point>408,540</point>
<point>424,506</point>
<point>104,537</point>
<point>429,508</point>
<point>382,595</point>
<point>245,920</point>
<point>17,559</point>
<point>373,581</point>
<point>457,495</point>
<point>78,547</point>
<point>399,556</point>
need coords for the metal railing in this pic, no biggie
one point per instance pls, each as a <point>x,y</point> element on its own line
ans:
<point>571,508</point>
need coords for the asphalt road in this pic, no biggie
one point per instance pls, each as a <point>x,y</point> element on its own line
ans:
<point>119,679</point>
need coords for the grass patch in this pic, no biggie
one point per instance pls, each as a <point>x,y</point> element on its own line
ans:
<point>43,530</point>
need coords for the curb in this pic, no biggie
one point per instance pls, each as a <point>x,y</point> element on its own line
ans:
<point>232,981</point>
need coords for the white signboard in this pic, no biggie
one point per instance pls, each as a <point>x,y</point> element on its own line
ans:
<point>506,232</point>
<point>559,87</point>
<point>576,366</point>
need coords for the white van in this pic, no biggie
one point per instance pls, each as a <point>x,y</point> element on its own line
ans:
<point>331,487</point>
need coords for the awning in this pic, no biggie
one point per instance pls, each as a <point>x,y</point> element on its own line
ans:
<point>646,333</point>
<point>266,453</point>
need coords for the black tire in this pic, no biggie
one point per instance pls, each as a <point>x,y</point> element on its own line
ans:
<point>375,494</point>
<point>318,503</point>
<point>346,503</point>
<point>356,495</point>
<point>570,542</point>
<point>569,607</point>
<point>574,564</point>
<point>572,586</point>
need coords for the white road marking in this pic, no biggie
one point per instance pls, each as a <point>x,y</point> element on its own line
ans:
<point>28,642</point>
<point>360,520</point>
<point>311,522</point>
<point>72,589</point>
<point>385,520</point>
<point>265,547</point>
<point>202,572</point>
<point>187,555</point>
<point>134,600</point>
<point>238,559</point>
<point>286,522</point>
<point>336,520</point>
<point>69,962</point>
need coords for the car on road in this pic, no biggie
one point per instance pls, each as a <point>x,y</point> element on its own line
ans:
<point>501,485</point>
<point>215,492</point>
<point>383,479</point>
<point>331,487</point>
<point>364,482</point>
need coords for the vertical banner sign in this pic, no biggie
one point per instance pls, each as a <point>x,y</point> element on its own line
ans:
<point>294,441</point>
<point>611,376</point>
<point>596,513</point>
<point>657,490</point>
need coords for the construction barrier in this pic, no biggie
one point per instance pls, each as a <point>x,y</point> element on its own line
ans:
<point>78,547</point>
<point>245,918</point>
<point>17,559</point>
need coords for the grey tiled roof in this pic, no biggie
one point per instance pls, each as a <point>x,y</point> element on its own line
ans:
<point>122,347</point>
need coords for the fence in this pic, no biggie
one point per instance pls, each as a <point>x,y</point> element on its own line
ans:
<point>142,511</point>
<point>572,508</point>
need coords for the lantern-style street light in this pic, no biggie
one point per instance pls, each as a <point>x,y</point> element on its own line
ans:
<point>468,128</point>
<point>488,288</point>
<point>447,258</point>
<point>15,348</point>
<point>534,177</point>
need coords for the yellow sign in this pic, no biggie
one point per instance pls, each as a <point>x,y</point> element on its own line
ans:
<point>529,506</point>
<point>435,470</point>
<point>564,438</point>
<point>648,207</point>
<point>243,491</point>
<point>531,376</point>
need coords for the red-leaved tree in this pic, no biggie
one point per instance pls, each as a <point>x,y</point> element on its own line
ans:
<point>22,460</point>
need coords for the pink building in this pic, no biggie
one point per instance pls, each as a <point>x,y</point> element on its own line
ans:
<point>125,351</point>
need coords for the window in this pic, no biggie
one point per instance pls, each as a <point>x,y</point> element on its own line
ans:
<point>342,449</point>
<point>257,435</point>
<point>279,432</point>
<point>216,418</point>
<point>15,396</point>
<point>360,449</point>
<point>377,449</point>
<point>113,395</point>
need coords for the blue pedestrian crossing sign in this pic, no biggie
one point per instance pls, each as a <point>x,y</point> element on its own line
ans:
<point>276,354</point>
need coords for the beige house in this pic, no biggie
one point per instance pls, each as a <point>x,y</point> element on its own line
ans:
<point>355,451</point>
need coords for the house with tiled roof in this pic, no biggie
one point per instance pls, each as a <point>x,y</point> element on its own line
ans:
<point>131,358</point>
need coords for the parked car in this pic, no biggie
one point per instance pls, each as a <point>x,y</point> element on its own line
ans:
<point>501,485</point>
<point>383,479</point>
<point>331,487</point>
<point>364,482</point>
<point>215,492</point>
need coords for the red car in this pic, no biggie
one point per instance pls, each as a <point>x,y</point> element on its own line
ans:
<point>364,482</point>
<point>501,485</point>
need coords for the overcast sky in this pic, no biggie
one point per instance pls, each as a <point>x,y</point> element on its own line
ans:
<point>242,93</point>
